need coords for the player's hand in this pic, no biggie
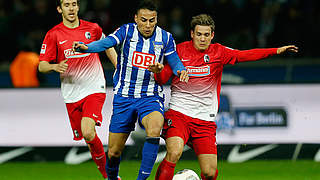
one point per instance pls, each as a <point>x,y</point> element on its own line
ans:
<point>290,48</point>
<point>156,68</point>
<point>78,46</point>
<point>61,67</point>
<point>183,75</point>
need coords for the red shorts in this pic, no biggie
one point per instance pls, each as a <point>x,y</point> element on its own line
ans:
<point>198,134</point>
<point>90,106</point>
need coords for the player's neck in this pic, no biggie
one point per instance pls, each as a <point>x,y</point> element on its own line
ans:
<point>71,25</point>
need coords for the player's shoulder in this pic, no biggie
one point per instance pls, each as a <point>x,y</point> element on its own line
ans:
<point>218,46</point>
<point>185,46</point>
<point>55,29</point>
<point>88,24</point>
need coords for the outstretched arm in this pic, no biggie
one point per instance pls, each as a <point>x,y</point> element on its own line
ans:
<point>290,48</point>
<point>95,46</point>
<point>257,54</point>
<point>177,67</point>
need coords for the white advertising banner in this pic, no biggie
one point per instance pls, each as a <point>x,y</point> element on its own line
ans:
<point>259,114</point>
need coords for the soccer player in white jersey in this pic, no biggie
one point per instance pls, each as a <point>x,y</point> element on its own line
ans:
<point>83,84</point>
<point>136,95</point>
<point>194,106</point>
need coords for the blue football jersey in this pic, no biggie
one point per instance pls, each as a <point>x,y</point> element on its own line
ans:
<point>132,78</point>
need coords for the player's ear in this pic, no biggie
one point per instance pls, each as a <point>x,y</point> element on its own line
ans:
<point>191,34</point>
<point>59,9</point>
<point>136,18</point>
<point>212,35</point>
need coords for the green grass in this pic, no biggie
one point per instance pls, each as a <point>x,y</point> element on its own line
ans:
<point>252,170</point>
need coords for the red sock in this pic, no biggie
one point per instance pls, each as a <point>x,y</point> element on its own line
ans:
<point>214,178</point>
<point>165,170</point>
<point>98,154</point>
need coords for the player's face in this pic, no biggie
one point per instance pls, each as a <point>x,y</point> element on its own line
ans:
<point>201,37</point>
<point>146,21</point>
<point>69,10</point>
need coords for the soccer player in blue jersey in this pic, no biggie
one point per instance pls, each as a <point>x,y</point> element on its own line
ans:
<point>136,94</point>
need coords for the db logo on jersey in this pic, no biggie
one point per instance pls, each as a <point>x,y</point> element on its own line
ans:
<point>198,71</point>
<point>143,60</point>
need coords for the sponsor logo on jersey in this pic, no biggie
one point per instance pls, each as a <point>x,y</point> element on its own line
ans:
<point>198,71</point>
<point>68,53</point>
<point>143,60</point>
<point>43,49</point>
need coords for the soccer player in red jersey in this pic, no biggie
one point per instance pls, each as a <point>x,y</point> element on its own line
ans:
<point>194,105</point>
<point>83,84</point>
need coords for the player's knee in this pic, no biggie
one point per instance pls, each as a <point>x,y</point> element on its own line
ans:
<point>88,135</point>
<point>174,155</point>
<point>153,132</point>
<point>114,153</point>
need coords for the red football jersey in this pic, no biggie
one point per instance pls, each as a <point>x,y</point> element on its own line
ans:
<point>84,75</point>
<point>199,98</point>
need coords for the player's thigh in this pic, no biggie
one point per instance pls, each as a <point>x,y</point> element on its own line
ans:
<point>88,128</point>
<point>203,134</point>
<point>116,143</point>
<point>208,163</point>
<point>150,114</point>
<point>92,107</point>
<point>174,147</point>
<point>153,123</point>
<point>75,116</point>
<point>124,115</point>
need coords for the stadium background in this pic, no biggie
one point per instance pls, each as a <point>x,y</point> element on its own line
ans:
<point>240,24</point>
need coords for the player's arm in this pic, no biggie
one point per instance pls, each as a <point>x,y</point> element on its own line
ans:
<point>95,46</point>
<point>163,77</point>
<point>100,45</point>
<point>46,67</point>
<point>257,54</point>
<point>112,55</point>
<point>177,67</point>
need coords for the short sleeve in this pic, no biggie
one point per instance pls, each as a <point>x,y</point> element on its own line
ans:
<point>171,46</point>
<point>119,34</point>
<point>48,50</point>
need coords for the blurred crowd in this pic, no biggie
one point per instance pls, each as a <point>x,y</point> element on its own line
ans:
<point>240,24</point>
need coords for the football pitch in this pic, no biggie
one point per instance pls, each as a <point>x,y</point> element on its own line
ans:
<point>252,170</point>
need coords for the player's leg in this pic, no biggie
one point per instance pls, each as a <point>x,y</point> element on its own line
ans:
<point>204,144</point>
<point>92,107</point>
<point>175,132</point>
<point>153,124</point>
<point>116,145</point>
<point>208,166</point>
<point>122,123</point>
<point>174,147</point>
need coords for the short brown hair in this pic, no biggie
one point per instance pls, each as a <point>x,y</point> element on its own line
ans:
<point>58,2</point>
<point>203,20</point>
